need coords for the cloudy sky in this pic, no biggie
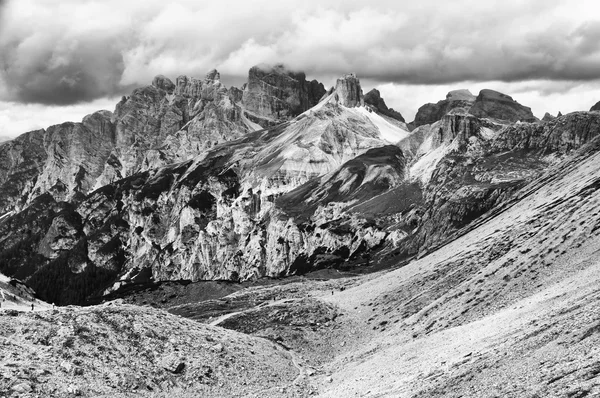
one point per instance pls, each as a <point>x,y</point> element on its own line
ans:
<point>62,59</point>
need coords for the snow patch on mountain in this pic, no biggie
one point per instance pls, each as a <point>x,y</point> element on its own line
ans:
<point>423,169</point>
<point>389,132</point>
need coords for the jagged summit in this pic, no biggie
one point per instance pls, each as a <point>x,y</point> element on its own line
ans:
<point>212,76</point>
<point>373,99</point>
<point>163,83</point>
<point>347,91</point>
<point>275,93</point>
<point>184,180</point>
<point>548,117</point>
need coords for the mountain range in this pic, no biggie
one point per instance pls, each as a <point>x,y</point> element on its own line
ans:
<point>474,215</point>
<point>192,180</point>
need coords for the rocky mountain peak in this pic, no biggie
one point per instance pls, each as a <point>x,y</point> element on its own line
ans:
<point>374,100</point>
<point>163,83</point>
<point>274,93</point>
<point>548,117</point>
<point>212,75</point>
<point>460,95</point>
<point>488,104</point>
<point>348,92</point>
<point>496,105</point>
<point>456,101</point>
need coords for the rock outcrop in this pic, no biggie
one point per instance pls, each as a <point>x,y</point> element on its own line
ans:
<point>21,161</point>
<point>548,117</point>
<point>459,101</point>
<point>325,189</point>
<point>488,104</point>
<point>347,91</point>
<point>495,105</point>
<point>595,107</point>
<point>156,125</point>
<point>274,93</point>
<point>373,99</point>
<point>559,135</point>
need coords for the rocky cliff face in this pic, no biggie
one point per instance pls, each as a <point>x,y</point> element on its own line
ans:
<point>170,122</point>
<point>21,161</point>
<point>210,218</point>
<point>459,101</point>
<point>347,91</point>
<point>156,125</point>
<point>274,94</point>
<point>488,104</point>
<point>547,117</point>
<point>325,189</point>
<point>373,99</point>
<point>495,105</point>
<point>560,135</point>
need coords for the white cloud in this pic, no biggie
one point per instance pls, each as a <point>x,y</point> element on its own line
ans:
<point>75,51</point>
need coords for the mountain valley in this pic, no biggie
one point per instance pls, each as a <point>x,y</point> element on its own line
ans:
<point>286,240</point>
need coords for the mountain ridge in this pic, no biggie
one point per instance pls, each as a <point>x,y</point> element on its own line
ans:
<point>223,209</point>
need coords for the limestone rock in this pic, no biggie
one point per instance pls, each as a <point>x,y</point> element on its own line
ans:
<point>488,104</point>
<point>163,83</point>
<point>276,93</point>
<point>373,98</point>
<point>558,135</point>
<point>21,161</point>
<point>548,117</point>
<point>348,92</point>
<point>459,101</point>
<point>460,95</point>
<point>492,104</point>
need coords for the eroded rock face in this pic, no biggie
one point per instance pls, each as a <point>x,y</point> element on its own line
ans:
<point>163,83</point>
<point>77,153</point>
<point>322,190</point>
<point>459,101</point>
<point>548,117</point>
<point>373,98</point>
<point>21,161</point>
<point>488,104</point>
<point>492,104</point>
<point>560,135</point>
<point>274,93</point>
<point>460,95</point>
<point>156,125</point>
<point>348,92</point>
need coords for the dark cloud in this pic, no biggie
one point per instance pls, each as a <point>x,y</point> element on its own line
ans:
<point>88,71</point>
<point>68,51</point>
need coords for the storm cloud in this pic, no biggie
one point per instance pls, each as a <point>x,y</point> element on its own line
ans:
<point>69,51</point>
